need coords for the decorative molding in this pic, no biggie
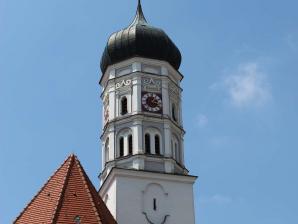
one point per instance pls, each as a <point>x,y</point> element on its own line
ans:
<point>106,108</point>
<point>156,184</point>
<point>106,99</point>
<point>163,222</point>
<point>123,83</point>
<point>106,115</point>
<point>124,132</point>
<point>151,84</point>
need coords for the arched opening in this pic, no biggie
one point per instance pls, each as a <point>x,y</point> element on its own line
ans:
<point>130,145</point>
<point>121,147</point>
<point>107,158</point>
<point>147,143</point>
<point>174,115</point>
<point>124,106</point>
<point>157,144</point>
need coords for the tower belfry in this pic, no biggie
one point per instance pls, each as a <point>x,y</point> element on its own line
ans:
<point>144,178</point>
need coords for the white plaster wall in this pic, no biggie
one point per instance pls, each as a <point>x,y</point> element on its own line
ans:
<point>175,200</point>
<point>165,97</point>
<point>109,197</point>
<point>136,94</point>
<point>130,201</point>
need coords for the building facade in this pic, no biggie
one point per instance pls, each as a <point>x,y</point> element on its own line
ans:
<point>144,179</point>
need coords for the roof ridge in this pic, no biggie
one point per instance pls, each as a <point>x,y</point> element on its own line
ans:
<point>42,188</point>
<point>65,183</point>
<point>96,199</point>
<point>87,187</point>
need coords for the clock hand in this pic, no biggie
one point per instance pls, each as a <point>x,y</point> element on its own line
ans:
<point>154,101</point>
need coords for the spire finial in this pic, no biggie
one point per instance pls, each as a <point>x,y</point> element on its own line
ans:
<point>139,18</point>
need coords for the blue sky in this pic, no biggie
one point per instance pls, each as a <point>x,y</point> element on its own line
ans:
<point>240,98</point>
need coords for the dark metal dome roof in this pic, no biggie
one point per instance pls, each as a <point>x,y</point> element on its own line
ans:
<point>140,39</point>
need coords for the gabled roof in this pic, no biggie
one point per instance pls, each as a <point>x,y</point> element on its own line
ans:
<point>67,197</point>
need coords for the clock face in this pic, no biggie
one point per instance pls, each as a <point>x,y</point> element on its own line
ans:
<point>152,102</point>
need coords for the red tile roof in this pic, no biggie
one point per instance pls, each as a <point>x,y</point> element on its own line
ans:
<point>67,195</point>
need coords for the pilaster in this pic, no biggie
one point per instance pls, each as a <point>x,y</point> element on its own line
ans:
<point>165,96</point>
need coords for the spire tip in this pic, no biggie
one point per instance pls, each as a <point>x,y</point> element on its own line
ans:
<point>139,6</point>
<point>139,18</point>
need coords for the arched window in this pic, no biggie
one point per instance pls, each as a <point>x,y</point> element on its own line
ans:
<point>174,112</point>
<point>147,144</point>
<point>107,150</point>
<point>157,144</point>
<point>130,145</point>
<point>121,147</point>
<point>124,106</point>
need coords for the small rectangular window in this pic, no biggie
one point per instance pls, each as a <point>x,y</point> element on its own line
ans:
<point>154,204</point>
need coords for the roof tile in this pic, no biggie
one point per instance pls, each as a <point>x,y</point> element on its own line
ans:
<point>67,195</point>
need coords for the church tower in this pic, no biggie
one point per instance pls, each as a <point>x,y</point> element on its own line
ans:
<point>144,178</point>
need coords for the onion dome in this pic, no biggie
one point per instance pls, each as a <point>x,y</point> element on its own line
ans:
<point>140,39</point>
